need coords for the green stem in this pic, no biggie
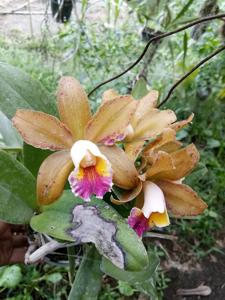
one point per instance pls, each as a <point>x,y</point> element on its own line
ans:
<point>71,258</point>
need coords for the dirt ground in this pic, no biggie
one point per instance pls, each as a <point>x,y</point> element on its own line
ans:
<point>15,16</point>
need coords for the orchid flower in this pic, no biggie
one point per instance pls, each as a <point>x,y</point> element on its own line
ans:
<point>160,186</point>
<point>80,140</point>
<point>147,122</point>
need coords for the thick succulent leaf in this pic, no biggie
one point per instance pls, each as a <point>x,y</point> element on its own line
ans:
<point>73,220</point>
<point>184,161</point>
<point>17,191</point>
<point>152,123</point>
<point>181,200</point>
<point>125,174</point>
<point>42,130</point>
<point>111,120</point>
<point>131,277</point>
<point>52,176</point>
<point>11,138</point>
<point>19,90</point>
<point>33,158</point>
<point>140,88</point>
<point>73,106</point>
<point>87,283</point>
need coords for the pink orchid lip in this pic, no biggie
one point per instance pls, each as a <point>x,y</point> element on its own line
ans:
<point>138,222</point>
<point>92,174</point>
<point>91,184</point>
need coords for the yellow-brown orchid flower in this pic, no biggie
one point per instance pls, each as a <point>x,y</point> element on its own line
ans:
<point>160,187</point>
<point>146,123</point>
<point>77,137</point>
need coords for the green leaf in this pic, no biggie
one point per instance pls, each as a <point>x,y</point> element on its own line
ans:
<point>87,283</point>
<point>17,191</point>
<point>125,289</point>
<point>185,47</point>
<point>53,278</point>
<point>140,89</point>
<point>183,10</point>
<point>131,277</point>
<point>10,276</point>
<point>71,219</point>
<point>11,138</point>
<point>33,158</point>
<point>19,90</point>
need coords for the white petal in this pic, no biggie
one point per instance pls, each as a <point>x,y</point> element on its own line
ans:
<point>79,149</point>
<point>154,200</point>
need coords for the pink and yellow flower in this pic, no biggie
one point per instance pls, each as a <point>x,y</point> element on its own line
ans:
<point>77,137</point>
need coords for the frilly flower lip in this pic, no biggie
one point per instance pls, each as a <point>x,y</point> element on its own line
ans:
<point>153,212</point>
<point>92,173</point>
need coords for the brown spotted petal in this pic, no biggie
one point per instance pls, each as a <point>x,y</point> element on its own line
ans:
<point>109,95</point>
<point>73,106</point>
<point>127,196</point>
<point>133,149</point>
<point>144,106</point>
<point>153,123</point>
<point>125,174</point>
<point>52,176</point>
<point>162,162</point>
<point>166,142</point>
<point>181,200</point>
<point>42,130</point>
<point>181,124</point>
<point>184,161</point>
<point>110,122</point>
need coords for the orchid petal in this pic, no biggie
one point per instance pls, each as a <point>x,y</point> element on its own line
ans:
<point>109,123</point>
<point>184,161</point>
<point>154,200</point>
<point>144,106</point>
<point>137,221</point>
<point>133,149</point>
<point>52,176</point>
<point>127,196</point>
<point>181,200</point>
<point>153,123</point>
<point>42,130</point>
<point>125,174</point>
<point>109,95</point>
<point>181,124</point>
<point>73,106</point>
<point>162,162</point>
<point>92,173</point>
<point>166,141</point>
<point>159,219</point>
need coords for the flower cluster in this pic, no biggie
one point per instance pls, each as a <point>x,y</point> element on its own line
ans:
<point>99,152</point>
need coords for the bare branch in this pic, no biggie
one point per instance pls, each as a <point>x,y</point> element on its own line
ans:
<point>158,37</point>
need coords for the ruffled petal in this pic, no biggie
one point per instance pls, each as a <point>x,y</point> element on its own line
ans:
<point>92,174</point>
<point>181,200</point>
<point>127,196</point>
<point>110,122</point>
<point>152,123</point>
<point>73,106</point>
<point>109,95</point>
<point>52,176</point>
<point>125,174</point>
<point>138,222</point>
<point>42,130</point>
<point>184,161</point>
<point>181,124</point>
